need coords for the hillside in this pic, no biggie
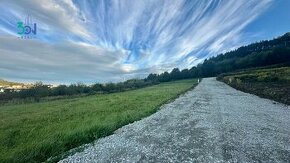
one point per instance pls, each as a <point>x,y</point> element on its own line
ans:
<point>272,83</point>
<point>264,53</point>
<point>12,86</point>
<point>268,53</point>
<point>8,83</point>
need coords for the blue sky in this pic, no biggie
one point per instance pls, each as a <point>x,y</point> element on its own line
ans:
<point>107,41</point>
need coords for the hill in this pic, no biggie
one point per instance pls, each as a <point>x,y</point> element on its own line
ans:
<point>8,83</point>
<point>268,53</point>
<point>12,86</point>
<point>263,53</point>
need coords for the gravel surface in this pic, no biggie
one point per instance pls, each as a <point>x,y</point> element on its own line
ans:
<point>212,123</point>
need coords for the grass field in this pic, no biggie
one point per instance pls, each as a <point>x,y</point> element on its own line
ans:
<point>272,83</point>
<point>33,132</point>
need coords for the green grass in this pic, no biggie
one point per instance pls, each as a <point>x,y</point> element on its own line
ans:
<point>272,83</point>
<point>34,132</point>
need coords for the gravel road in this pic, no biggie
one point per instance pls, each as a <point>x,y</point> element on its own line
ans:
<point>212,123</point>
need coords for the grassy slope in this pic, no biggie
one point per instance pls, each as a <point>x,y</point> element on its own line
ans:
<point>36,131</point>
<point>272,83</point>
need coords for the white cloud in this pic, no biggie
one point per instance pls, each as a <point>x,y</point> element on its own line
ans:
<point>29,59</point>
<point>62,16</point>
<point>174,29</point>
<point>110,40</point>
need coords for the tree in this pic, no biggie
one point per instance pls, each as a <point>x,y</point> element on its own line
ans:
<point>175,74</point>
<point>164,77</point>
<point>152,78</point>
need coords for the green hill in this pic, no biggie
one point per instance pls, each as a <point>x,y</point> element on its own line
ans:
<point>268,53</point>
<point>260,54</point>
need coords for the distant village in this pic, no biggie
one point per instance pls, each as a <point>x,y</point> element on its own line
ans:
<point>15,87</point>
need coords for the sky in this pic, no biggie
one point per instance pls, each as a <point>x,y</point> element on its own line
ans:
<point>113,40</point>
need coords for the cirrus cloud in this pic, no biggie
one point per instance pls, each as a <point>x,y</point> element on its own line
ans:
<point>105,40</point>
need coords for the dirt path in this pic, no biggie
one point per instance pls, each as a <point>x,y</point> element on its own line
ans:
<point>212,123</point>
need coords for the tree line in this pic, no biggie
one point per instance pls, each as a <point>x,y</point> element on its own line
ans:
<point>40,90</point>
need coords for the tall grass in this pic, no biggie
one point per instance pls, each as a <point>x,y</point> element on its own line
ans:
<point>264,75</point>
<point>272,83</point>
<point>34,132</point>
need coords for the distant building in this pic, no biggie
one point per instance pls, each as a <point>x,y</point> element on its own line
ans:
<point>51,86</point>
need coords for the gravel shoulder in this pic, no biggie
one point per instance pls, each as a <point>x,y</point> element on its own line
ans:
<point>211,123</point>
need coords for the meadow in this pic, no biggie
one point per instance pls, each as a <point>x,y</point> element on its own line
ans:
<point>272,83</point>
<point>34,132</point>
